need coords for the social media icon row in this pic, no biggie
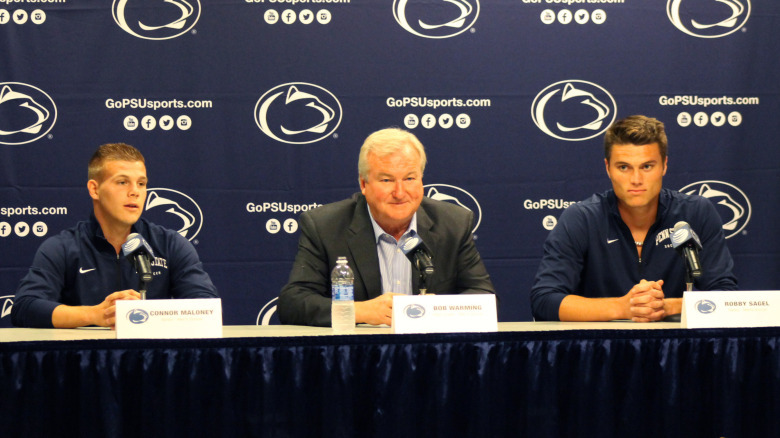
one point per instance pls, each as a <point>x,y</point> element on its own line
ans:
<point>166,123</point>
<point>273,226</point>
<point>21,16</point>
<point>580,16</point>
<point>717,119</point>
<point>305,16</point>
<point>22,229</point>
<point>430,121</point>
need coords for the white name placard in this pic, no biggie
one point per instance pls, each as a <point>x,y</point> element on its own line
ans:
<point>169,319</point>
<point>720,309</point>
<point>444,313</point>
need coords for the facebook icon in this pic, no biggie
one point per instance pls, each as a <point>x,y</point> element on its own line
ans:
<point>5,229</point>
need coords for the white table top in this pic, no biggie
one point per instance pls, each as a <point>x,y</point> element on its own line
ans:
<point>250,331</point>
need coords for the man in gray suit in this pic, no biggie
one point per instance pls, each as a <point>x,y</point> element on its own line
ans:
<point>369,229</point>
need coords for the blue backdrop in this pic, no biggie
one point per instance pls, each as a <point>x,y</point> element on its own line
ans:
<point>251,111</point>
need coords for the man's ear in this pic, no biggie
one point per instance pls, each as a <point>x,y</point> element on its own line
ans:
<point>92,187</point>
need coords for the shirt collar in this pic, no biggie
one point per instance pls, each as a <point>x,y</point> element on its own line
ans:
<point>379,232</point>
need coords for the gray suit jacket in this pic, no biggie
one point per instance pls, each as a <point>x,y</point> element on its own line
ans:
<point>344,229</point>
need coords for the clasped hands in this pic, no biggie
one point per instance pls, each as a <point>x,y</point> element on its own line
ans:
<point>646,301</point>
<point>105,312</point>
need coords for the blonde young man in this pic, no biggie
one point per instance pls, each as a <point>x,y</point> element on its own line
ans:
<point>77,276</point>
<point>610,256</point>
<point>369,228</point>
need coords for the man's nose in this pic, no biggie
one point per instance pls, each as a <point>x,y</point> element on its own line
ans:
<point>636,177</point>
<point>398,188</point>
<point>135,190</point>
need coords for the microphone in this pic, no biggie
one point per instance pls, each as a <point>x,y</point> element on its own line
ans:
<point>419,254</point>
<point>138,248</point>
<point>687,244</point>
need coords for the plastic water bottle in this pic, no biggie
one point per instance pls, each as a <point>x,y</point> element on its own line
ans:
<point>342,311</point>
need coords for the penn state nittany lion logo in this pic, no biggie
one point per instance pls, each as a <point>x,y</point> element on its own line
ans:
<point>414,311</point>
<point>156,19</point>
<point>705,306</point>
<point>175,210</point>
<point>457,196</point>
<point>298,113</point>
<point>708,18</point>
<point>27,113</point>
<point>442,19</point>
<point>731,202</point>
<point>580,110</point>
<point>137,316</point>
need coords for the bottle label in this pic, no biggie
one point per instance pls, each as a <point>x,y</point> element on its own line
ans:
<point>343,292</point>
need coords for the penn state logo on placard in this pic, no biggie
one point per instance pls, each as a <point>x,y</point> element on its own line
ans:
<point>573,110</point>
<point>267,315</point>
<point>175,210</point>
<point>457,196</point>
<point>705,306</point>
<point>432,19</point>
<point>6,303</point>
<point>731,202</point>
<point>708,18</point>
<point>137,316</point>
<point>298,113</point>
<point>414,311</point>
<point>156,19</point>
<point>27,113</point>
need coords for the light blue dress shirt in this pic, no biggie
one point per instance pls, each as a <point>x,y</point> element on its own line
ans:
<point>395,268</point>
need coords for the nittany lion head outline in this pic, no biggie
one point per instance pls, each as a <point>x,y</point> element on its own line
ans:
<point>578,93</point>
<point>457,22</point>
<point>414,311</point>
<point>435,192</point>
<point>188,220</point>
<point>730,21</point>
<point>293,94</point>
<point>311,98</point>
<point>705,306</point>
<point>18,99</point>
<point>740,211</point>
<point>174,28</point>
<point>137,316</point>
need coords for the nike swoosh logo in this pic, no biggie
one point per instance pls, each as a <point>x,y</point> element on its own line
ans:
<point>612,241</point>
<point>84,271</point>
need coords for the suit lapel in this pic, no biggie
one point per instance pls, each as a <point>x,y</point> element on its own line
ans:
<point>427,232</point>
<point>362,245</point>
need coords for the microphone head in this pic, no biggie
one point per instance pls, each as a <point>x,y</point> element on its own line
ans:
<point>682,233</point>
<point>415,250</point>
<point>679,225</point>
<point>411,244</point>
<point>136,243</point>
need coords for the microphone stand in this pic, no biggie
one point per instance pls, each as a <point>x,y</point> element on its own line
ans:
<point>423,279</point>
<point>690,273</point>
<point>144,278</point>
<point>142,288</point>
<point>688,280</point>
